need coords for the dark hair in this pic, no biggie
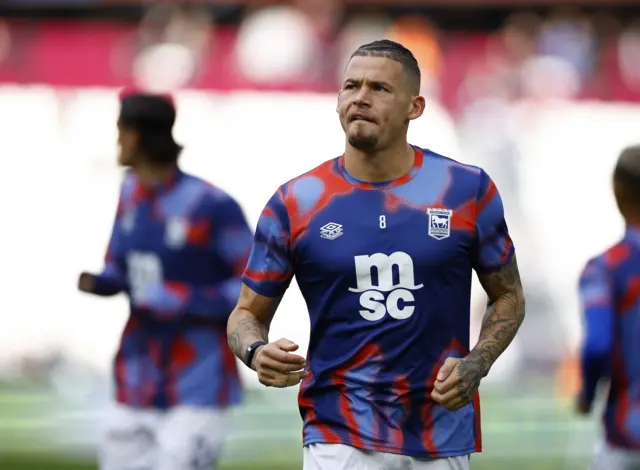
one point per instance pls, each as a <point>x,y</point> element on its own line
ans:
<point>158,147</point>
<point>394,51</point>
<point>627,173</point>
<point>152,116</point>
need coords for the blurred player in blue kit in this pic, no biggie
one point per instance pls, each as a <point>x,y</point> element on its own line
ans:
<point>382,241</point>
<point>610,295</point>
<point>178,248</point>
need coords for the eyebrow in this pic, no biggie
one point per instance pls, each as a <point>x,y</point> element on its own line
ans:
<point>373,82</point>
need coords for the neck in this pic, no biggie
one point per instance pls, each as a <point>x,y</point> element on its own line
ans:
<point>633,222</point>
<point>151,175</point>
<point>380,166</point>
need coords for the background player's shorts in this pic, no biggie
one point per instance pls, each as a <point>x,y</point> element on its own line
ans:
<point>181,438</point>
<point>613,458</point>
<point>342,457</point>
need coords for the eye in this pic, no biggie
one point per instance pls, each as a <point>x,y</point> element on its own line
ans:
<point>348,86</point>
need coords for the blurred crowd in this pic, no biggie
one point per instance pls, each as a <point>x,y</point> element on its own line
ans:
<point>564,53</point>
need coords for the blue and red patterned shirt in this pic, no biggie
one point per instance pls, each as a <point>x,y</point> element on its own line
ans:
<point>178,251</point>
<point>610,294</point>
<point>385,269</point>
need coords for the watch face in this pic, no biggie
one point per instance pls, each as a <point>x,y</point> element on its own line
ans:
<point>249,354</point>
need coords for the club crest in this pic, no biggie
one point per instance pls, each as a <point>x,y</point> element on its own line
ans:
<point>176,232</point>
<point>439,223</point>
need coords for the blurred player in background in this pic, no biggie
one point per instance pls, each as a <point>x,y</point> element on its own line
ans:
<point>610,292</point>
<point>178,248</point>
<point>382,241</point>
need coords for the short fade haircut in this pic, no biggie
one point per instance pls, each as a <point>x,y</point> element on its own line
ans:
<point>394,51</point>
<point>627,173</point>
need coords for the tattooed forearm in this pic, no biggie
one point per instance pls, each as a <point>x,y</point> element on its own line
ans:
<point>504,315</point>
<point>244,329</point>
<point>250,320</point>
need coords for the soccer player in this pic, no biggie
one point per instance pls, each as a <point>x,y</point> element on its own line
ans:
<point>382,241</point>
<point>610,294</point>
<point>178,248</point>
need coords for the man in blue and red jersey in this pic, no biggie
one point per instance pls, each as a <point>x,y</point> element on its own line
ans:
<point>382,241</point>
<point>178,248</point>
<point>610,294</point>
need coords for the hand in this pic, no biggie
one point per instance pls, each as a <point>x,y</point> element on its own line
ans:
<point>277,367</point>
<point>582,406</point>
<point>86,282</point>
<point>456,383</point>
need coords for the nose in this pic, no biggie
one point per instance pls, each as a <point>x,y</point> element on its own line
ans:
<point>362,98</point>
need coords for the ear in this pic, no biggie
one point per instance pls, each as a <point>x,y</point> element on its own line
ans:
<point>620,195</point>
<point>418,104</point>
<point>135,137</point>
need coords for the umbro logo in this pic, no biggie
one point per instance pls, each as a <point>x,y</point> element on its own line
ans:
<point>331,231</point>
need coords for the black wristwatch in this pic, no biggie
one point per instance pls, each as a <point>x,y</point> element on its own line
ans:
<point>251,351</point>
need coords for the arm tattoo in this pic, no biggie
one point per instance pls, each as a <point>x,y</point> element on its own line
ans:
<point>502,319</point>
<point>248,330</point>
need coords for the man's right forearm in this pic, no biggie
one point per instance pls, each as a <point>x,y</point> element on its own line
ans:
<point>244,329</point>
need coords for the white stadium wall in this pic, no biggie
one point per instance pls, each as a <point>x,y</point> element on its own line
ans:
<point>59,184</point>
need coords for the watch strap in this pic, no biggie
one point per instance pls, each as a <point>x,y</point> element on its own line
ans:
<point>251,351</point>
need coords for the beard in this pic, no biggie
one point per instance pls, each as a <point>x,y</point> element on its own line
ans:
<point>363,142</point>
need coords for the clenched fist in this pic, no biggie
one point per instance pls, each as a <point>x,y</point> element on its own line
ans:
<point>277,366</point>
<point>457,382</point>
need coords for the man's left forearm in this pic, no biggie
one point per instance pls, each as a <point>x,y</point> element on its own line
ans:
<point>504,315</point>
<point>499,326</point>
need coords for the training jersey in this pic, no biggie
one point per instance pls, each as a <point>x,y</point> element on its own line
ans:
<point>610,294</point>
<point>385,270</point>
<point>178,251</point>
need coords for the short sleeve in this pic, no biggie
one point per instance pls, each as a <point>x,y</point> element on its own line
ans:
<point>270,269</point>
<point>493,245</point>
<point>596,298</point>
<point>595,287</point>
<point>114,258</point>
